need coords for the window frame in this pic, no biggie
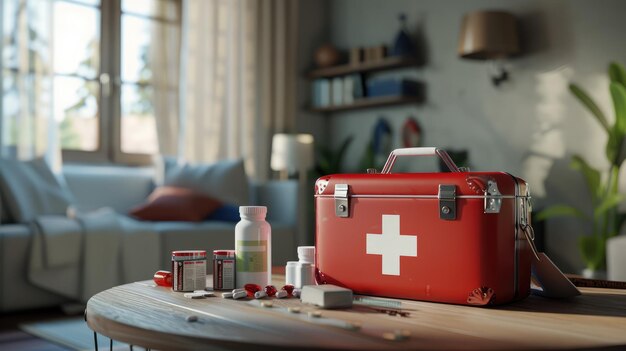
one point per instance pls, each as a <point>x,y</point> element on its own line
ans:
<point>109,80</point>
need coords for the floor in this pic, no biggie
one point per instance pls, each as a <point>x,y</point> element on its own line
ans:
<point>12,338</point>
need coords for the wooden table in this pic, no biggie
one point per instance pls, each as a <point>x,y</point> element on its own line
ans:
<point>149,316</point>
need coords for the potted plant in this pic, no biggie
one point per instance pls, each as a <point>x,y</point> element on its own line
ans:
<point>603,184</point>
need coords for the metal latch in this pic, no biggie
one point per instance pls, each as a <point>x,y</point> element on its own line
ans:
<point>342,204</point>
<point>493,198</point>
<point>524,222</point>
<point>447,202</point>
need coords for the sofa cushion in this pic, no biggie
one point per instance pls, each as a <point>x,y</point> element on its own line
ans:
<point>225,213</point>
<point>169,203</point>
<point>224,180</point>
<point>30,189</point>
<point>97,186</point>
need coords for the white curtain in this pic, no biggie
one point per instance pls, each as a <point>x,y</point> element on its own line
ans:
<point>238,76</point>
<point>165,62</point>
<point>27,127</point>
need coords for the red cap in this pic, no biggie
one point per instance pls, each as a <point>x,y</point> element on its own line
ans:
<point>192,253</point>
<point>224,252</point>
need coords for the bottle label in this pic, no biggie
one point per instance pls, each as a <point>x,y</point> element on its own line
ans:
<point>251,256</point>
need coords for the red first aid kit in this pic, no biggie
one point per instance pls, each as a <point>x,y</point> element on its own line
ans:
<point>456,237</point>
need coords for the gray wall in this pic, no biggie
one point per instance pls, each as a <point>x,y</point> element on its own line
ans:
<point>530,126</point>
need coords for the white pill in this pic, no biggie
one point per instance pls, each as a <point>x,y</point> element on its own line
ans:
<point>260,294</point>
<point>267,304</point>
<point>296,292</point>
<point>194,295</point>
<point>315,314</point>
<point>281,294</point>
<point>204,293</point>
<point>227,295</point>
<point>294,309</point>
<point>238,290</point>
<point>240,295</point>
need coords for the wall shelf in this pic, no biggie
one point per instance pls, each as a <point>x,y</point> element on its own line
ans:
<point>369,103</point>
<point>363,69</point>
<point>387,63</point>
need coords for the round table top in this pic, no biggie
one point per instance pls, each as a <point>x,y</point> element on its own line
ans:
<point>155,317</point>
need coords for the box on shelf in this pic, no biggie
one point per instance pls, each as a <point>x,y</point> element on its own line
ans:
<point>337,91</point>
<point>393,87</point>
<point>321,93</point>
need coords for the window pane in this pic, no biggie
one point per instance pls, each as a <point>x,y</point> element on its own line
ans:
<point>76,112</point>
<point>9,48</point>
<point>76,39</point>
<point>10,109</point>
<point>138,123</point>
<point>26,112</point>
<point>34,19</point>
<point>87,2</point>
<point>164,9</point>
<point>149,46</point>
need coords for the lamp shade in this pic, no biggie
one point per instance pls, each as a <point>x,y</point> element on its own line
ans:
<point>292,152</point>
<point>488,35</point>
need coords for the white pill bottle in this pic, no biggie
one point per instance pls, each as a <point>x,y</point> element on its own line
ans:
<point>253,247</point>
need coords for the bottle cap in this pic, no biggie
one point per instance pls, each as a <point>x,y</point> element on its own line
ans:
<point>228,253</point>
<point>253,210</point>
<point>306,254</point>
<point>189,253</point>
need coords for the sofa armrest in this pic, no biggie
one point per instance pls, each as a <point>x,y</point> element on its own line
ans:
<point>16,292</point>
<point>281,199</point>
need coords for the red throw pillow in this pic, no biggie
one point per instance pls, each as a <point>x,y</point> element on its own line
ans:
<point>168,203</point>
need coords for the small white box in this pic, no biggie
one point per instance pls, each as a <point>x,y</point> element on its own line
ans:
<point>327,296</point>
<point>337,91</point>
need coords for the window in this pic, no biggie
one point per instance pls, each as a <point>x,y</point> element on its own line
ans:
<point>113,72</point>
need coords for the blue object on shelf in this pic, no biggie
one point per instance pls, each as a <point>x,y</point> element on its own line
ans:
<point>403,45</point>
<point>392,87</point>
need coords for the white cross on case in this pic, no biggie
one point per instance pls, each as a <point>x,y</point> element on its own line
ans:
<point>391,245</point>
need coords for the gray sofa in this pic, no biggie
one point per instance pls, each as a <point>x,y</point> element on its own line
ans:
<point>122,188</point>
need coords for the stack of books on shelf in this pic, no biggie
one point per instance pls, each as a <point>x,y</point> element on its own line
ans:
<point>338,91</point>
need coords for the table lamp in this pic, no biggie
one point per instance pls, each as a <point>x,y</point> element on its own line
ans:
<point>489,36</point>
<point>291,154</point>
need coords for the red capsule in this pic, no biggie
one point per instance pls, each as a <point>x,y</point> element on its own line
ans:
<point>163,278</point>
<point>251,289</point>
<point>270,290</point>
<point>288,288</point>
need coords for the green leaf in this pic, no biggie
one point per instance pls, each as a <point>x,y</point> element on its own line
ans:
<point>617,73</point>
<point>338,161</point>
<point>592,176</point>
<point>592,250</point>
<point>609,202</point>
<point>613,145</point>
<point>616,147</point>
<point>619,221</point>
<point>618,93</point>
<point>560,211</point>
<point>329,161</point>
<point>590,104</point>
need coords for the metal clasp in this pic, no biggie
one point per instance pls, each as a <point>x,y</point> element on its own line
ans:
<point>447,202</point>
<point>527,229</point>
<point>493,198</point>
<point>342,205</point>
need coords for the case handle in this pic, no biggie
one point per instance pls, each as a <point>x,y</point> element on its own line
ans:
<point>419,151</point>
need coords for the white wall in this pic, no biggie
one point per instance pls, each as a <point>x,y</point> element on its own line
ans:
<point>531,125</point>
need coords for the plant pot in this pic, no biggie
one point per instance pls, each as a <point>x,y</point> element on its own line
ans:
<point>593,274</point>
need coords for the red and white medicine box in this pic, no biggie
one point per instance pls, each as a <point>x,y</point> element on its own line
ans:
<point>456,237</point>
